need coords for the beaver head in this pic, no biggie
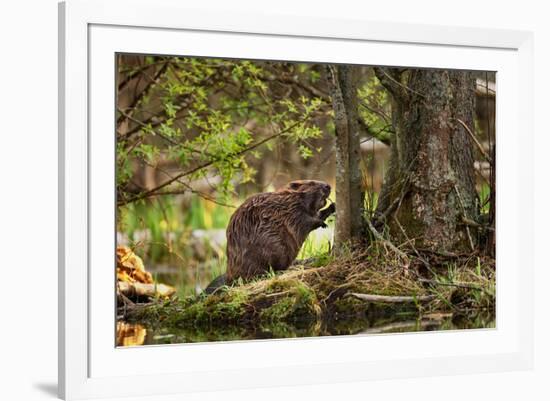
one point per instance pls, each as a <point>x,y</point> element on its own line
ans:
<point>315,193</point>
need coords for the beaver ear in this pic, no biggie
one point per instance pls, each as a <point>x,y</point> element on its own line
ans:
<point>294,185</point>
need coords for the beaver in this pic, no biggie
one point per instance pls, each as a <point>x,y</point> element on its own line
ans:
<point>268,229</point>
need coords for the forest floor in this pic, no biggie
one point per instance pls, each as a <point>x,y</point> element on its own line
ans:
<point>376,280</point>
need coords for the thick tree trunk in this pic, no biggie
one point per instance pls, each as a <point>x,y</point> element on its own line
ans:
<point>342,82</point>
<point>429,189</point>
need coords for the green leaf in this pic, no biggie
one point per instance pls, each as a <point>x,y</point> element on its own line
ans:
<point>305,152</point>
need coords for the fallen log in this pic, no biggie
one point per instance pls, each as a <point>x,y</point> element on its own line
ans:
<point>144,290</point>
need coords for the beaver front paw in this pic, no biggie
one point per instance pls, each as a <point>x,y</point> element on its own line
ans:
<point>323,214</point>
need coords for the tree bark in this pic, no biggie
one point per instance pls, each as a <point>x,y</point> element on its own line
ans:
<point>342,82</point>
<point>429,188</point>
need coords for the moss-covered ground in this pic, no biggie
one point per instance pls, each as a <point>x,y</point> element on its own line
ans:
<point>325,290</point>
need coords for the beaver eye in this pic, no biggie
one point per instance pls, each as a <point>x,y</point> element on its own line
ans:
<point>294,185</point>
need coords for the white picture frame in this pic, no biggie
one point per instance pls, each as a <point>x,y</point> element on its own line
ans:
<point>90,365</point>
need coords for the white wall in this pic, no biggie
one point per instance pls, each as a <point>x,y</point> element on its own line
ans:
<point>28,204</point>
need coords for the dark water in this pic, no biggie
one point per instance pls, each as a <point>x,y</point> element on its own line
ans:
<point>132,334</point>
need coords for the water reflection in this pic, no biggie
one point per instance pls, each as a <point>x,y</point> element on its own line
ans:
<point>131,334</point>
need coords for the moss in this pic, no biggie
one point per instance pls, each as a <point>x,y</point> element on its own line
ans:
<point>295,301</point>
<point>348,306</point>
<point>228,307</point>
<point>279,311</point>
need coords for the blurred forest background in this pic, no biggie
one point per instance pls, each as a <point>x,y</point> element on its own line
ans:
<point>196,136</point>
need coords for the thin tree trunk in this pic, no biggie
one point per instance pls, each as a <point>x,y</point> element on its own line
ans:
<point>349,198</point>
<point>429,188</point>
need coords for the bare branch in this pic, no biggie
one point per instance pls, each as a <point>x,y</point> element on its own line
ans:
<point>391,84</point>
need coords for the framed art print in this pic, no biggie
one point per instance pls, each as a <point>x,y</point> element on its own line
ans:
<point>245,205</point>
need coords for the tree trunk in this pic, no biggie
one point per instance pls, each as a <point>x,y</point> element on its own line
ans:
<point>429,188</point>
<point>342,82</point>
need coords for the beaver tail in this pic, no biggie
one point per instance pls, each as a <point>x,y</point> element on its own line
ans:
<point>218,282</point>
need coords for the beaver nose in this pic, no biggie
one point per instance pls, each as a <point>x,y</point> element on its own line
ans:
<point>327,188</point>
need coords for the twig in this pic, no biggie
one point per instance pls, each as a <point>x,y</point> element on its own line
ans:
<point>153,81</point>
<point>198,193</point>
<point>445,254</point>
<point>386,242</point>
<point>275,294</point>
<point>479,145</point>
<point>459,285</point>
<point>469,222</point>
<point>382,217</point>
<point>132,73</point>
<point>393,85</point>
<point>188,188</point>
<point>379,113</point>
<point>375,134</point>
<point>392,299</point>
<point>308,88</point>
<point>464,215</point>
<point>423,260</point>
<point>395,203</point>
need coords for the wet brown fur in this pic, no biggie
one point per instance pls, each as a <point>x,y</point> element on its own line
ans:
<point>268,229</point>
